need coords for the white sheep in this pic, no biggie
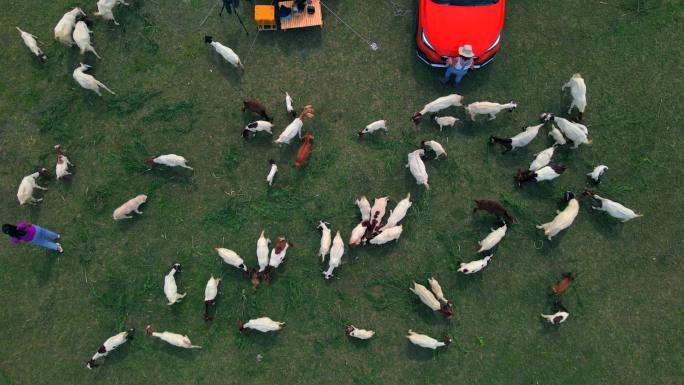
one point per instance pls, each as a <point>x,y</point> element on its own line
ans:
<point>399,212</point>
<point>230,257</point>
<point>357,233</point>
<point>88,81</point>
<point>437,291</point>
<point>488,108</point>
<point>445,121</point>
<point>614,209</point>
<point>179,340</point>
<point>226,53</point>
<point>361,334</point>
<point>263,324</point>
<point>289,105</point>
<point>372,127</point>
<point>65,26</point>
<point>542,158</point>
<point>110,345</point>
<point>518,141</point>
<point>63,163</point>
<point>326,240</point>
<point>364,208</point>
<point>578,90</point>
<point>272,171</point>
<point>170,287</point>
<point>171,160</point>
<point>32,44</point>
<point>210,293</point>
<point>131,206</point>
<point>492,239</point>
<point>295,128</point>
<point>474,266</point>
<point>378,211</point>
<point>262,251</point>
<point>417,167</point>
<point>28,183</point>
<point>437,105</point>
<point>336,253</point>
<point>561,314</point>
<point>597,172</point>
<point>563,219</point>
<point>577,133</point>
<point>82,38</point>
<point>434,146</point>
<point>426,341</point>
<point>258,126</point>
<point>557,135</point>
<point>105,7</point>
<point>387,234</point>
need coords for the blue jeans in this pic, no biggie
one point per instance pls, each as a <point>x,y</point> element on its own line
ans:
<point>460,73</point>
<point>43,238</point>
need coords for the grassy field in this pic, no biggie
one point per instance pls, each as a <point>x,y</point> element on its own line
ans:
<point>175,96</point>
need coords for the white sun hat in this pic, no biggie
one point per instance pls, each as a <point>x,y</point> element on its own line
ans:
<point>466,50</point>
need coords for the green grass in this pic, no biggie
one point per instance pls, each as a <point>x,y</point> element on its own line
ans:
<point>175,96</point>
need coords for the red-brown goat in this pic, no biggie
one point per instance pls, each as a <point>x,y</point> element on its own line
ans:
<point>561,286</point>
<point>256,107</point>
<point>304,150</point>
<point>495,208</point>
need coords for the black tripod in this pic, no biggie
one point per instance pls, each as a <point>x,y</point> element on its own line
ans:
<point>230,6</point>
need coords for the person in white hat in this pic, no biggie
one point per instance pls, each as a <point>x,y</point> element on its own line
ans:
<point>460,64</point>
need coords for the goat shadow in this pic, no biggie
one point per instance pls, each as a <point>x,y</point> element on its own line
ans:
<point>416,353</point>
<point>226,70</point>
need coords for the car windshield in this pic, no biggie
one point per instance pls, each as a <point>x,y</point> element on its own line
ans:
<point>465,2</point>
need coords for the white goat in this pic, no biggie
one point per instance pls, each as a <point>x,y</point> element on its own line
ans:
<point>326,240</point>
<point>271,172</point>
<point>557,135</point>
<point>387,234</point>
<point>295,128</point>
<point>437,105</point>
<point>82,38</point>
<point>131,206</point>
<point>361,334</point>
<point>170,287</point>
<point>357,233</point>
<point>109,345</point>
<point>378,210</point>
<point>230,257</point>
<point>399,212</point>
<point>488,108</point>
<point>597,172</point>
<point>445,121</point>
<point>542,158</point>
<point>492,239</point>
<point>577,133</point>
<point>105,7</point>
<point>563,219</point>
<point>32,44</point>
<point>364,207</point>
<point>336,253</point>
<point>63,163</point>
<point>372,127</point>
<point>426,341</point>
<point>429,299</point>
<point>210,293</point>
<point>578,90</point>
<point>521,140</point>
<point>474,266</point>
<point>614,209</point>
<point>171,160</point>
<point>256,126</point>
<point>262,251</point>
<point>28,183</point>
<point>65,26</point>
<point>417,167</point>
<point>561,314</point>
<point>88,81</point>
<point>434,146</point>
<point>263,324</point>
<point>278,253</point>
<point>228,54</point>
<point>437,291</point>
<point>182,341</point>
<point>289,105</point>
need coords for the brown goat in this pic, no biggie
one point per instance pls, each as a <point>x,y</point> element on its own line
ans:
<point>304,150</point>
<point>561,286</point>
<point>495,208</point>
<point>256,107</point>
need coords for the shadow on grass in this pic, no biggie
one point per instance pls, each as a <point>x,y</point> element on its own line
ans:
<point>416,353</point>
<point>44,269</point>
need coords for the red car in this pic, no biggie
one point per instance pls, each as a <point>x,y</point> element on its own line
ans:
<point>445,25</point>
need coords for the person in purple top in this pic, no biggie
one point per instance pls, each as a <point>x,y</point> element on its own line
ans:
<point>32,234</point>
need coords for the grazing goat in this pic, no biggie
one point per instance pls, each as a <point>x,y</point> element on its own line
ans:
<point>430,300</point>
<point>171,338</point>
<point>82,38</point>
<point>263,324</point>
<point>577,133</point>
<point>437,105</point>
<point>278,253</point>
<point>614,209</point>
<point>326,240</point>
<point>32,44</point>
<point>557,135</point>
<point>170,287</point>
<point>495,208</point>
<point>426,341</point>
<point>378,211</point>
<point>110,345</point>
<point>597,173</point>
<point>232,258</point>
<point>445,121</point>
<point>131,206</point>
<point>563,219</point>
<point>104,9</point>
<point>492,239</point>
<point>65,26</point>
<point>521,140</point>
<point>226,53</point>
<point>262,251</point>
<point>63,163</point>
<point>362,334</point>
<point>304,150</point>
<point>256,107</point>
<point>28,183</point>
<point>358,232</point>
<point>88,81</point>
<point>437,291</point>
<point>474,266</point>
<point>399,212</point>
<point>434,146</point>
<point>271,172</point>
<point>488,108</point>
<point>560,315</point>
<point>578,90</point>
<point>336,253</point>
<point>295,128</point>
<point>171,160</point>
<point>372,127</point>
<point>550,172</point>
<point>561,286</point>
<point>364,207</point>
<point>387,234</point>
<point>417,167</point>
<point>210,293</point>
<point>542,158</point>
<point>289,106</point>
<point>256,126</point>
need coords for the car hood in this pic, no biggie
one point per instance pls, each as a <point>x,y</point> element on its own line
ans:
<point>448,27</point>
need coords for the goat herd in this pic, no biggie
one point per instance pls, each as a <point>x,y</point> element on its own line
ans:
<point>73,28</point>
